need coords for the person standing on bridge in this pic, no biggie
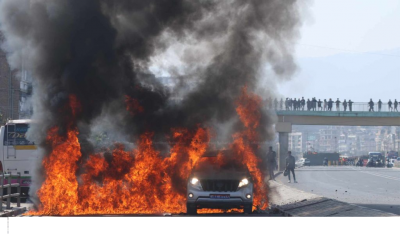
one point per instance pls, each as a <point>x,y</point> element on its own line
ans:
<point>287,103</point>
<point>379,105</point>
<point>271,161</point>
<point>276,103</point>
<point>344,105</point>
<point>281,104</point>
<point>395,105</point>
<point>270,103</point>
<point>330,104</point>
<point>371,105</point>
<point>319,105</point>
<point>308,104</point>
<point>337,105</point>
<point>290,164</point>
<point>325,105</point>
<point>350,105</point>
<point>303,103</point>
<point>390,105</point>
<point>314,101</point>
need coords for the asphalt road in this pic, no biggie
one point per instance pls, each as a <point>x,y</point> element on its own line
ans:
<point>376,188</point>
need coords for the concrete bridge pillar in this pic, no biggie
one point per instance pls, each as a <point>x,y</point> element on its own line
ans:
<point>283,149</point>
<point>283,128</point>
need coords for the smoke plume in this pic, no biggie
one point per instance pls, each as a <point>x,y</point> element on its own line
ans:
<point>109,53</point>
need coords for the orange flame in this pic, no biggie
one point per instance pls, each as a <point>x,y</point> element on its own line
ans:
<point>139,181</point>
<point>248,109</point>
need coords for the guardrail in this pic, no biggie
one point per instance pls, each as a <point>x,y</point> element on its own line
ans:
<point>8,186</point>
<point>356,106</point>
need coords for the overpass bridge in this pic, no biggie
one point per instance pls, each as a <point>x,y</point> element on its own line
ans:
<point>359,116</point>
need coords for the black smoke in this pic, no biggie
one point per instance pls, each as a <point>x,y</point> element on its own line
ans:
<point>102,50</point>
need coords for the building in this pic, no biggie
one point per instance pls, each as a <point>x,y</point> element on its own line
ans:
<point>296,144</point>
<point>328,139</point>
<point>15,90</point>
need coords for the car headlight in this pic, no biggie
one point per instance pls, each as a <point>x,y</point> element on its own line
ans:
<point>243,182</point>
<point>194,180</point>
<point>195,183</point>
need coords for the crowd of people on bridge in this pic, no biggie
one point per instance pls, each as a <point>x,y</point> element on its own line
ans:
<point>326,105</point>
<point>392,106</point>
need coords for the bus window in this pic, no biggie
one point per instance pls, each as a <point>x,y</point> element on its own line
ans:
<point>14,134</point>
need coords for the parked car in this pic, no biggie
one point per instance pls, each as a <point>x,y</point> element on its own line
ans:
<point>303,162</point>
<point>390,163</point>
<point>300,162</point>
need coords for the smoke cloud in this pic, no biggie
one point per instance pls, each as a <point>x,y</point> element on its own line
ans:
<point>105,52</point>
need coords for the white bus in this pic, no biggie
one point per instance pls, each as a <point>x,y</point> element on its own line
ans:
<point>17,154</point>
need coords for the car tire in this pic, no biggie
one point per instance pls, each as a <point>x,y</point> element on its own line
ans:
<point>248,209</point>
<point>191,210</point>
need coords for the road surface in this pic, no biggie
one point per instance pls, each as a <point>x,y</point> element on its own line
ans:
<point>376,188</point>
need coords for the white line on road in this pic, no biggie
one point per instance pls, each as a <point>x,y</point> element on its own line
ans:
<point>379,175</point>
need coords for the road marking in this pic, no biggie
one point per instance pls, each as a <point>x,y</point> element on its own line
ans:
<point>378,174</point>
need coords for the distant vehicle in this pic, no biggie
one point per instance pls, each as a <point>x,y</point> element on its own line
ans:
<point>398,159</point>
<point>392,154</point>
<point>376,159</point>
<point>300,162</point>
<point>307,162</point>
<point>390,163</point>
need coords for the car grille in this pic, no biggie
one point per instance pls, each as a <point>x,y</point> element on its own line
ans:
<point>220,185</point>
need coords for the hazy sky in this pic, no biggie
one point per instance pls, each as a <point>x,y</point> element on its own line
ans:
<point>347,38</point>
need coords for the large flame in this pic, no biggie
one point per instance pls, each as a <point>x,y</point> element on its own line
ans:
<point>139,181</point>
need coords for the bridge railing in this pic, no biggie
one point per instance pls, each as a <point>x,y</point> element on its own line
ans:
<point>356,106</point>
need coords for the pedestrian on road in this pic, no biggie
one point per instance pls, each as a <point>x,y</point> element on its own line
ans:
<point>379,105</point>
<point>290,164</point>
<point>395,105</point>
<point>337,105</point>
<point>344,105</point>
<point>319,104</point>
<point>350,105</point>
<point>371,105</point>
<point>325,105</point>
<point>271,157</point>
<point>390,105</point>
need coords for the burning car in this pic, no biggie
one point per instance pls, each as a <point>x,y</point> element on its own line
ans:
<point>217,185</point>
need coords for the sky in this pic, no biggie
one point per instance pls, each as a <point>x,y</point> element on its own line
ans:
<point>348,49</point>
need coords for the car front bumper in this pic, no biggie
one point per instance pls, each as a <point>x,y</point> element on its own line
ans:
<point>202,199</point>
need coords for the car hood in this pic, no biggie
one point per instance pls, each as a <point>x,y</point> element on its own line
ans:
<point>221,175</point>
